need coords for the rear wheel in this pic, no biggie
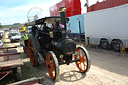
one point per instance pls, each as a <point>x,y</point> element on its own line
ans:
<point>116,45</point>
<point>83,63</point>
<point>52,65</point>
<point>104,44</point>
<point>33,48</point>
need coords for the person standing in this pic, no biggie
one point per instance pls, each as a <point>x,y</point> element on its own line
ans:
<point>34,30</point>
<point>25,36</point>
<point>45,28</point>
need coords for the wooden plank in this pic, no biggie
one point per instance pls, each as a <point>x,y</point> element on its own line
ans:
<point>8,47</point>
<point>9,54</point>
<point>11,63</point>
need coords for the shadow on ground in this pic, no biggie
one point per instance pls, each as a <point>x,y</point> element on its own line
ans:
<point>72,76</point>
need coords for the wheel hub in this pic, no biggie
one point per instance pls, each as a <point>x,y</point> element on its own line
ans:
<point>117,45</point>
<point>104,44</point>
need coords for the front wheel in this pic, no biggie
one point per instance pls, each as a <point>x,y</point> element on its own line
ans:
<point>105,44</point>
<point>83,63</point>
<point>52,65</point>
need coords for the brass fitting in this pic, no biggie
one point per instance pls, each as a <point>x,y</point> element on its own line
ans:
<point>62,9</point>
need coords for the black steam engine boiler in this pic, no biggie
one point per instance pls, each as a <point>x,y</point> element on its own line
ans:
<point>52,44</point>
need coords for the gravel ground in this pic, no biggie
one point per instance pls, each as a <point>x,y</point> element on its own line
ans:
<point>107,68</point>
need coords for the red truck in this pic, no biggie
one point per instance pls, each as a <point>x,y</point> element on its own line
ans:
<point>73,7</point>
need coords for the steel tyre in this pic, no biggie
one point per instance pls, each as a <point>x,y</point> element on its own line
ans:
<point>33,48</point>
<point>52,65</point>
<point>84,62</point>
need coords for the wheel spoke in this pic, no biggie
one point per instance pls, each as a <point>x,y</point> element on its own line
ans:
<point>48,58</point>
<point>30,44</point>
<point>78,63</point>
<point>51,73</point>
<point>31,48</point>
<point>51,65</point>
<point>32,59</point>
<point>82,57</point>
<point>84,66</point>
<point>32,54</point>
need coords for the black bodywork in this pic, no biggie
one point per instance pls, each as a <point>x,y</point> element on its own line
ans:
<point>55,39</point>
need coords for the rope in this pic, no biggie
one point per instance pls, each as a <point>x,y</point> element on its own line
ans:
<point>4,75</point>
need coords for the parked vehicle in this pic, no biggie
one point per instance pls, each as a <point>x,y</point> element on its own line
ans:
<point>1,44</point>
<point>107,27</point>
<point>14,37</point>
<point>11,31</point>
<point>106,4</point>
<point>29,29</point>
<point>1,33</point>
<point>76,25</point>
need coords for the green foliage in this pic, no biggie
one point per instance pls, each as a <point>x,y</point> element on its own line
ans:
<point>10,26</point>
<point>0,26</point>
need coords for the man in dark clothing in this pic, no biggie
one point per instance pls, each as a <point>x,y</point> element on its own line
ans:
<point>45,28</point>
<point>34,30</point>
<point>45,31</point>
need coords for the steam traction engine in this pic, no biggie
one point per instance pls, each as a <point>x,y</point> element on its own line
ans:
<point>55,47</point>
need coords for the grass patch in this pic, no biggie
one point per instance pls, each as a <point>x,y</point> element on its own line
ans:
<point>10,26</point>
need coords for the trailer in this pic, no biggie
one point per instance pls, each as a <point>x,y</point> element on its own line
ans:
<point>76,25</point>
<point>10,63</point>
<point>107,27</point>
<point>106,4</point>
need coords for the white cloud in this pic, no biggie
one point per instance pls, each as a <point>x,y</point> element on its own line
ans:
<point>19,13</point>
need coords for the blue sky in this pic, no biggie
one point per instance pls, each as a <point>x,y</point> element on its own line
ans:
<point>16,11</point>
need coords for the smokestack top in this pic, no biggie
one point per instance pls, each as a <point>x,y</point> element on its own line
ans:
<point>62,9</point>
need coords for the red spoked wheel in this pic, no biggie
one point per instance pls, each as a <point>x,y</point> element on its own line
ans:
<point>30,52</point>
<point>52,65</point>
<point>83,63</point>
<point>33,52</point>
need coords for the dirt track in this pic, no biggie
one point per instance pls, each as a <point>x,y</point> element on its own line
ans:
<point>108,68</point>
